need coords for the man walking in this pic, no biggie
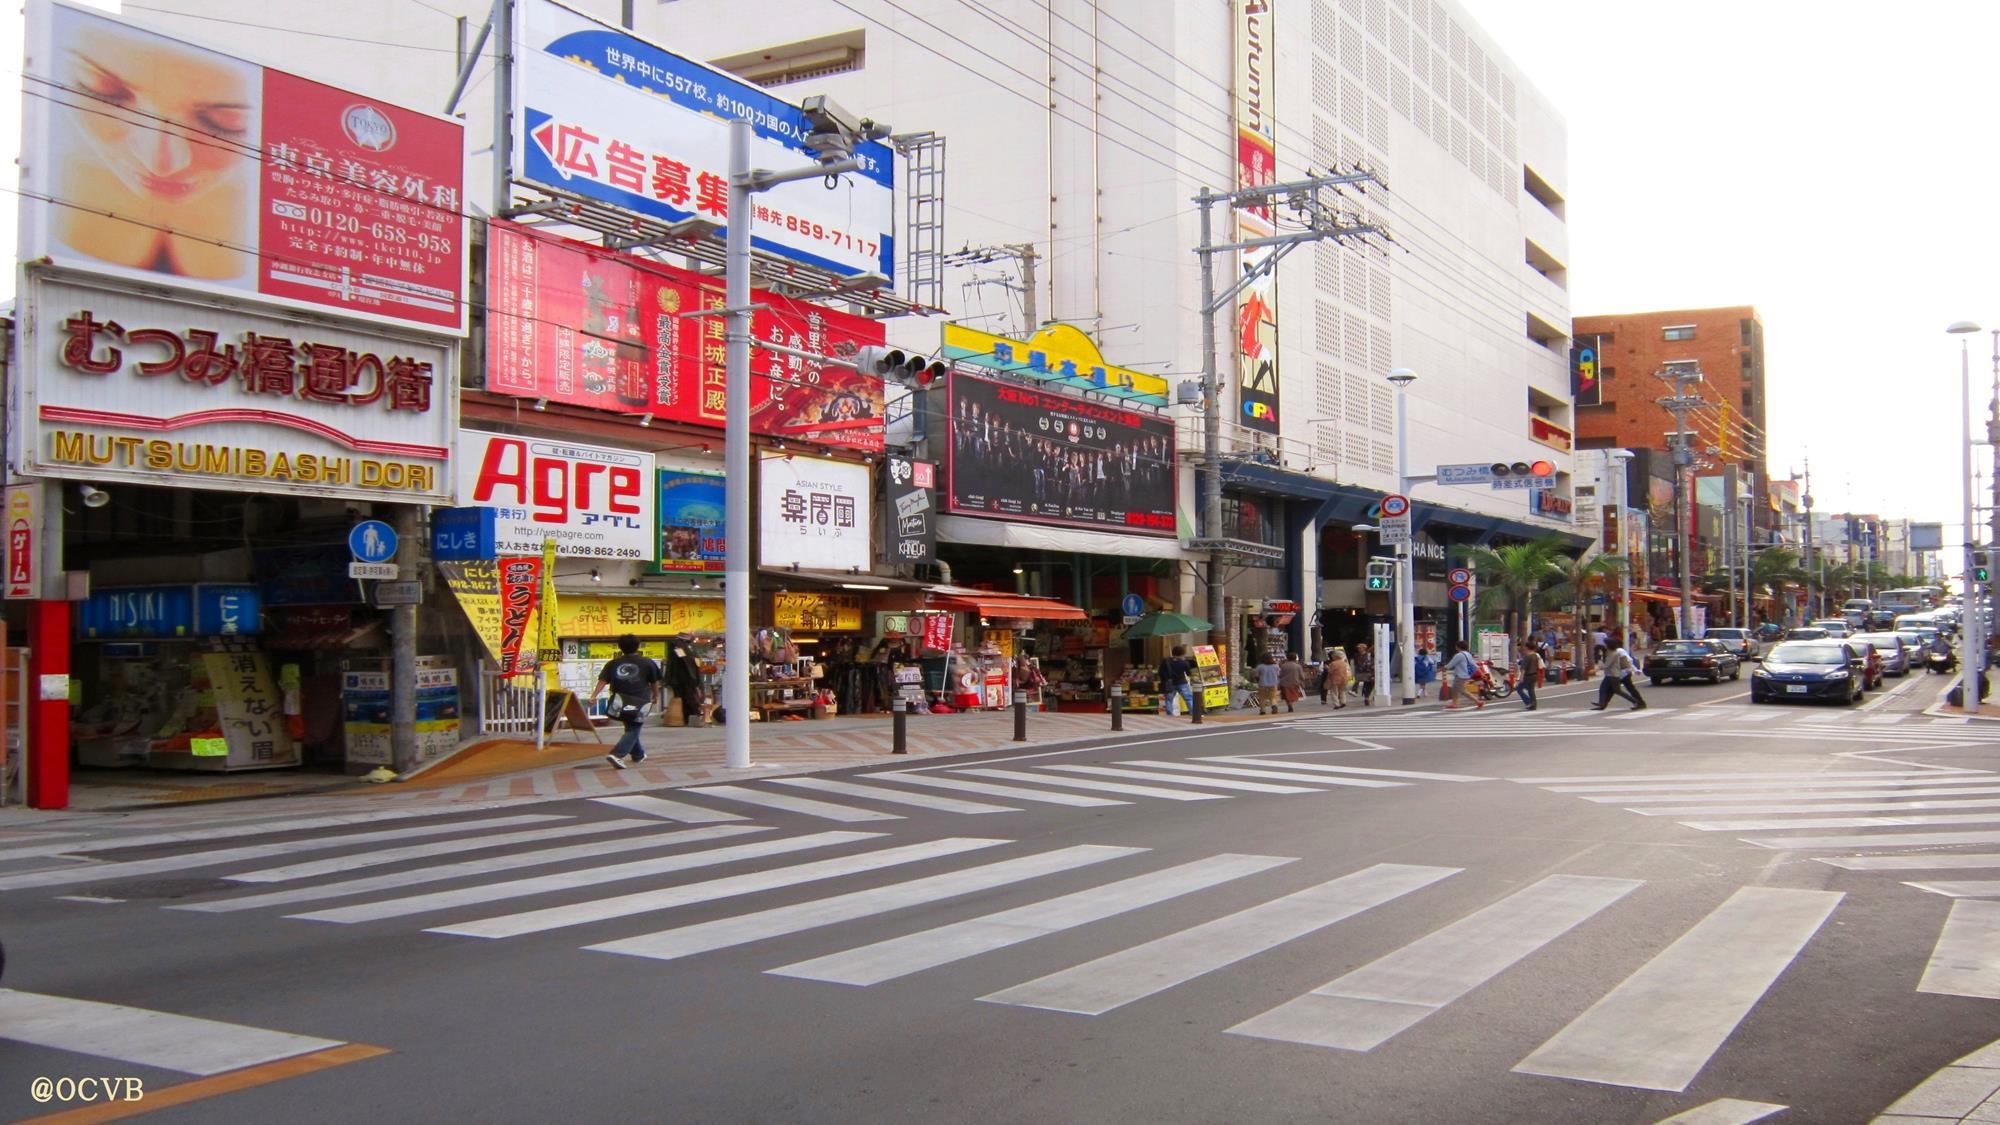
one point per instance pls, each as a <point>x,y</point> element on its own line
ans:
<point>1459,672</point>
<point>1267,684</point>
<point>1175,693</point>
<point>1531,671</point>
<point>1617,671</point>
<point>635,681</point>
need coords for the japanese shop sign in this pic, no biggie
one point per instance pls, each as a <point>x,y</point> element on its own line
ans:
<point>937,631</point>
<point>909,510</point>
<point>838,612</point>
<point>202,610</point>
<point>1028,455</point>
<point>23,547</point>
<point>128,387</point>
<point>582,325</point>
<point>613,118</point>
<point>594,502</point>
<point>248,710</point>
<point>691,516</point>
<point>520,597</point>
<point>814,513</point>
<point>590,615</point>
<point>152,159</point>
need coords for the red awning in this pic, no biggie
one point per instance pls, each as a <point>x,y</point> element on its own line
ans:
<point>1650,596</point>
<point>1009,605</point>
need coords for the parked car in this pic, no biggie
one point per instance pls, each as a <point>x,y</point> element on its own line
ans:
<point>1835,627</point>
<point>1871,662</point>
<point>1739,641</point>
<point>1896,655</point>
<point>1807,633</point>
<point>1675,661</point>
<point>1821,669</point>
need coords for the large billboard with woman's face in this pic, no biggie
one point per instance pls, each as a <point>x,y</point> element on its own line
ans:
<point>151,159</point>
<point>1021,453</point>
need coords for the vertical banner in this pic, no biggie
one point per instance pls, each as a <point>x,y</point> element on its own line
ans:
<point>1583,373</point>
<point>520,588</point>
<point>1256,338</point>
<point>546,641</point>
<point>23,518</point>
<point>937,632</point>
<point>909,508</point>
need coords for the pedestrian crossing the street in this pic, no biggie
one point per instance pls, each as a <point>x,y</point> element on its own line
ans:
<point>1172,920</point>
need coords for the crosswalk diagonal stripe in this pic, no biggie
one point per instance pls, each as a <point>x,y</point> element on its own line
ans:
<point>570,880</point>
<point>1874,840</point>
<point>1177,779</point>
<point>1382,999</point>
<point>785,802</point>
<point>1774,824</point>
<point>1095,786</point>
<point>1959,888</point>
<point>703,937</point>
<point>1660,1026</point>
<point>912,953</point>
<point>100,872</point>
<point>1724,785</point>
<point>1966,959</point>
<point>1008,792</point>
<point>668,810</point>
<point>1140,971</point>
<point>1725,1111</point>
<point>661,837</point>
<point>914,800</point>
<point>1792,775</point>
<point>1802,808</point>
<point>1268,774</point>
<point>377,858</point>
<point>1319,767</point>
<point>1806,799</point>
<point>1945,862</point>
<point>665,898</point>
<point>270,827</point>
<point>144,1037</point>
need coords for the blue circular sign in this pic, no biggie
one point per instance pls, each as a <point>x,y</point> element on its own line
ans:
<point>1134,606</point>
<point>372,541</point>
<point>1459,593</point>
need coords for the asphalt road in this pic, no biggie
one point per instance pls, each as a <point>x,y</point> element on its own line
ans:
<point>1381,916</point>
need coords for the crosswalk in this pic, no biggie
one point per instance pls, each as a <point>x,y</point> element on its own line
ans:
<point>1508,720</point>
<point>621,887</point>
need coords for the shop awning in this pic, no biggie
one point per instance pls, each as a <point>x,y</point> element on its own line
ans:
<point>1650,596</point>
<point>1008,605</point>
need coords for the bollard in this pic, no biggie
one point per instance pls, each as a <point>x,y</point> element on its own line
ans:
<point>1118,708</point>
<point>1200,704</point>
<point>899,726</point>
<point>1020,716</point>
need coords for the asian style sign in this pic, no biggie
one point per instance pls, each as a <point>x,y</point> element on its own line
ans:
<point>157,160</point>
<point>814,513</point>
<point>1028,455</point>
<point>594,502</point>
<point>582,616</point>
<point>1256,164</point>
<point>129,387</point>
<point>578,324</point>
<point>839,612</point>
<point>612,118</point>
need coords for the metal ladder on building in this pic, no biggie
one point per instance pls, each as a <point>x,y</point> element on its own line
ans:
<point>923,218</point>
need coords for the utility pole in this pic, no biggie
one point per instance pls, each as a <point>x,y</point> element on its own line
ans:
<point>1321,221</point>
<point>1684,373</point>
<point>1022,253</point>
<point>1993,436</point>
<point>1812,583</point>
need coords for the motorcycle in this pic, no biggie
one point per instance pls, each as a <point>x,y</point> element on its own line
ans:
<point>1490,687</point>
<point>1941,662</point>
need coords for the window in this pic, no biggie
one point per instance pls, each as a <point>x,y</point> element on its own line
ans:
<point>1256,520</point>
<point>1678,332</point>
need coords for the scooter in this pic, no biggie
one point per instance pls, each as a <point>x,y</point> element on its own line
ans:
<point>1490,686</point>
<point>1943,662</point>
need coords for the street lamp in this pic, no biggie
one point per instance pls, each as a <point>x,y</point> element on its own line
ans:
<point>1620,459</point>
<point>1973,616</point>
<point>1406,654</point>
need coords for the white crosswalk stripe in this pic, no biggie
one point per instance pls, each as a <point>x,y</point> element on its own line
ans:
<point>1362,771</point>
<point>1725,1111</point>
<point>1121,788</point>
<point>804,806</point>
<point>1966,958</point>
<point>667,810</point>
<point>914,800</point>
<point>1273,774</point>
<point>1008,792</point>
<point>1207,782</point>
<point>1805,807</point>
<point>1777,824</point>
<point>377,858</point>
<point>144,1037</point>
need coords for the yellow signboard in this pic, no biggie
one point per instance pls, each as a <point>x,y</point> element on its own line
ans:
<point>840,612</point>
<point>476,586</point>
<point>584,615</point>
<point>1057,351</point>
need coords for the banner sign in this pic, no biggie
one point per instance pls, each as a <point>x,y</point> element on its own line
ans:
<point>814,513</point>
<point>1256,165</point>
<point>578,324</point>
<point>590,615</point>
<point>937,631</point>
<point>691,517</point>
<point>1584,385</point>
<point>520,593</point>
<point>909,510</point>
<point>610,117</point>
<point>594,502</point>
<point>1029,455</point>
<point>839,612</point>
<point>23,547</point>
<point>208,609</point>
<point>118,385</point>
<point>155,160</point>
<point>475,585</point>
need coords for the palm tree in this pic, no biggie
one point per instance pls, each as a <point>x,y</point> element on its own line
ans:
<point>1514,579</point>
<point>1774,568</point>
<point>1575,577</point>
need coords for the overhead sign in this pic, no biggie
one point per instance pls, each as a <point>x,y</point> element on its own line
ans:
<point>1465,474</point>
<point>837,612</point>
<point>1056,352</point>
<point>155,160</point>
<point>372,541</point>
<point>691,519</point>
<point>202,610</point>
<point>1395,529</point>
<point>594,502</point>
<point>23,546</point>
<point>1394,505</point>
<point>610,117</point>
<point>814,513</point>
<point>117,384</point>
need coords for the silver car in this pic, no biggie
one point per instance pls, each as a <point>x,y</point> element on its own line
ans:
<point>1896,653</point>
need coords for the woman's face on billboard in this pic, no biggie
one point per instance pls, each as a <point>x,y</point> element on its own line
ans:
<point>169,122</point>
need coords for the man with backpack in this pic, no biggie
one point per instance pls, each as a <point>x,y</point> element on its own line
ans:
<point>635,681</point>
<point>1175,692</point>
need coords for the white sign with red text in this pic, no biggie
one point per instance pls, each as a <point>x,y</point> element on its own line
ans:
<point>593,501</point>
<point>814,513</point>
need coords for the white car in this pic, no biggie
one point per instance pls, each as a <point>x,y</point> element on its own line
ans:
<point>1835,627</point>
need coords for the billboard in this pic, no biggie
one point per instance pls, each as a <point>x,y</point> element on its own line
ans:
<point>813,513</point>
<point>152,159</point>
<point>610,117</point>
<point>691,519</point>
<point>1256,341</point>
<point>118,385</point>
<point>593,502</point>
<point>1026,454</point>
<point>1584,373</point>
<point>909,510</point>
<point>578,324</point>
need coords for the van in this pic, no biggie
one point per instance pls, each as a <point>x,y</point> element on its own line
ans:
<point>1855,612</point>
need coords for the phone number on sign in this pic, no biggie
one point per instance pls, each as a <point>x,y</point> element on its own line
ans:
<point>819,231</point>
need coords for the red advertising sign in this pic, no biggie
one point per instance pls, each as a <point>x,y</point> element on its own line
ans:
<point>937,632</point>
<point>21,545</point>
<point>520,589</point>
<point>580,325</point>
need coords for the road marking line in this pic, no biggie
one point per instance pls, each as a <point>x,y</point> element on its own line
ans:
<point>913,953</point>
<point>144,1037</point>
<point>1098,786</point>
<point>665,898</point>
<point>1011,792</point>
<point>1841,822</point>
<point>804,806</point>
<point>1803,809</point>
<point>1727,786</point>
<point>1725,1111</point>
<point>596,850</point>
<point>1268,774</point>
<point>1951,861</point>
<point>424,851</point>
<point>1883,720</point>
<point>915,800</point>
<point>1966,959</point>
<point>1387,996</point>
<point>1788,776</point>
<point>1803,799</point>
<point>1135,973</point>
<point>1885,840</point>
<point>668,810</point>
<point>1958,888</point>
<point>1413,775</point>
<point>201,1089</point>
<point>570,880</point>
<point>723,933</point>
<point>232,831</point>
<point>1178,779</point>
<point>1661,1025</point>
<point>124,869</point>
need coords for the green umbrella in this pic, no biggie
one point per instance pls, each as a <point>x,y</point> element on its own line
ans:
<point>1161,623</point>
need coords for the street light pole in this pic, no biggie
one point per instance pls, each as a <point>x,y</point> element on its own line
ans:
<point>1621,459</point>
<point>1973,615</point>
<point>1406,656</point>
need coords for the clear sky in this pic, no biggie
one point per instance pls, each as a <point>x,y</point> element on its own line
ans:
<point>1833,164</point>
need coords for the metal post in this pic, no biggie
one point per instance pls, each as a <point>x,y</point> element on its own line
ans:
<point>736,457</point>
<point>1406,651</point>
<point>1197,696</point>
<point>1020,716</point>
<point>899,726</point>
<point>503,100</point>
<point>1623,459</point>
<point>403,649</point>
<point>1118,706</point>
<point>1211,424</point>
<point>1973,616</point>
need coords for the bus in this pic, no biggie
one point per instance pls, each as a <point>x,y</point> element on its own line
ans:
<point>1914,599</point>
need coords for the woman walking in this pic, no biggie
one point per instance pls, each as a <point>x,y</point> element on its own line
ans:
<point>1291,681</point>
<point>1337,676</point>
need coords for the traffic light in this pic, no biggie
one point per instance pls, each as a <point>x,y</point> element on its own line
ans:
<point>911,368</point>
<point>1381,574</point>
<point>1505,469</point>
<point>1982,567</point>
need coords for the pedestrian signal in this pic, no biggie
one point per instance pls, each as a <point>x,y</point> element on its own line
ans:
<point>1381,574</point>
<point>1982,568</point>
